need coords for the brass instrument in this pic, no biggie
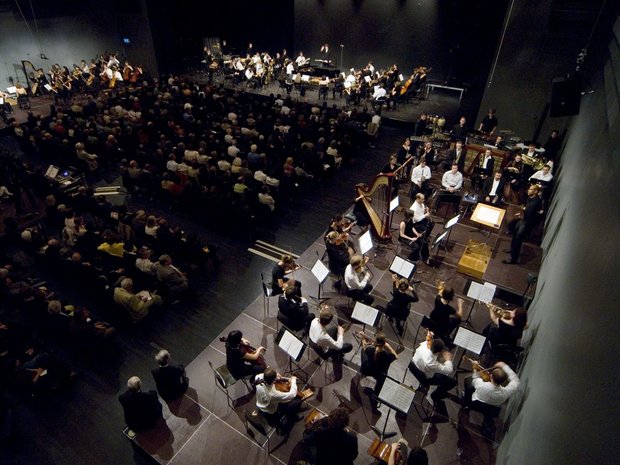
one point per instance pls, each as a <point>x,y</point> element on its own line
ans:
<point>500,312</point>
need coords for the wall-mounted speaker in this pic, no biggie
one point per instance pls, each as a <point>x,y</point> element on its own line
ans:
<point>565,97</point>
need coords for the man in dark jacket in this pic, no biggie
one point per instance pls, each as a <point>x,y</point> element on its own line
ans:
<point>171,380</point>
<point>142,409</point>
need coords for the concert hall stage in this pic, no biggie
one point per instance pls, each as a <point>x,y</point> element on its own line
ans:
<point>202,428</point>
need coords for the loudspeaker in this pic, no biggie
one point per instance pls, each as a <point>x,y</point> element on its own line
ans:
<point>565,97</point>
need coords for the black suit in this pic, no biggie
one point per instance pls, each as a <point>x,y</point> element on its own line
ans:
<point>171,381</point>
<point>142,409</point>
<point>294,314</point>
<point>488,185</point>
<point>452,156</point>
<point>489,172</point>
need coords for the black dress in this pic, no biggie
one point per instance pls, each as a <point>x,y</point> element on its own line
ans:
<point>445,318</point>
<point>398,307</point>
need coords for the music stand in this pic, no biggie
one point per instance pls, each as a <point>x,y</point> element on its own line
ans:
<point>320,272</point>
<point>469,340</point>
<point>448,226</point>
<point>294,348</point>
<point>489,216</point>
<point>366,315</point>
<point>479,293</point>
<point>402,267</point>
<point>365,242</point>
<point>396,396</point>
<point>394,203</point>
<point>437,241</point>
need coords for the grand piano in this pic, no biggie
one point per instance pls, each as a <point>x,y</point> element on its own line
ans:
<point>320,68</point>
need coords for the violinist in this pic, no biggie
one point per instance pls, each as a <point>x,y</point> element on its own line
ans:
<point>357,280</point>
<point>242,359</point>
<point>377,356</point>
<point>506,326</point>
<point>491,392</point>
<point>273,402</point>
<point>432,366</point>
<point>403,294</point>
<point>398,454</point>
<point>445,316</point>
<point>338,253</point>
<point>279,281</point>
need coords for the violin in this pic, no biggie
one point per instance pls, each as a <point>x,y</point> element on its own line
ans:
<point>381,450</point>
<point>246,348</point>
<point>500,312</point>
<point>483,372</point>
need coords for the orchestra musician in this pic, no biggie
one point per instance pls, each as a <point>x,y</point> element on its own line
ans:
<point>422,220</point>
<point>336,444</point>
<point>457,155</point>
<point>275,403</point>
<point>279,281</point>
<point>410,236</point>
<point>293,310</point>
<point>339,254</point>
<point>514,171</point>
<point>445,317</point>
<point>377,356</point>
<point>357,280</point>
<point>390,167</point>
<point>460,130</point>
<point>327,337</point>
<point>486,165</point>
<point>399,456</point>
<point>506,326</point>
<point>481,393</point>
<point>242,359</point>
<point>403,295</point>
<point>489,123</point>
<point>493,189</point>
<point>451,183</point>
<point>432,366</point>
<point>420,176</point>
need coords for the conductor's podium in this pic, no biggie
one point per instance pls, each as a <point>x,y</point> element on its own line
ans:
<point>475,259</point>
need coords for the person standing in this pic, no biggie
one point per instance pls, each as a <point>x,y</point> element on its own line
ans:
<point>523,223</point>
<point>489,123</point>
<point>171,380</point>
<point>142,410</point>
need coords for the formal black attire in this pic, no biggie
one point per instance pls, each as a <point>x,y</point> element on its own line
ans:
<point>376,367</point>
<point>171,381</point>
<point>489,123</point>
<point>488,185</point>
<point>294,314</point>
<point>419,247</point>
<point>459,132</point>
<point>338,257</point>
<point>445,318</point>
<point>458,158</point>
<point>521,227</point>
<point>142,409</point>
<point>488,171</point>
<point>398,307</point>
<point>279,272</point>
<point>335,447</point>
<point>238,366</point>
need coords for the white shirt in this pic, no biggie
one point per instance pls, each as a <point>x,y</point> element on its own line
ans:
<point>427,362</point>
<point>172,165</point>
<point>290,68</point>
<point>494,187</point>
<point>355,280</point>
<point>300,60</point>
<point>452,180</point>
<point>485,161</point>
<point>491,394</point>
<point>379,92</point>
<point>418,211</point>
<point>318,334</point>
<point>268,397</point>
<point>540,175</point>
<point>418,172</point>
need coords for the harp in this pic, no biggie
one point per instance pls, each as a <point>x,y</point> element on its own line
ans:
<point>375,199</point>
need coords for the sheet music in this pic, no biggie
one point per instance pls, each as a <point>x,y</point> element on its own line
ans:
<point>320,271</point>
<point>440,238</point>
<point>394,204</point>
<point>365,241</point>
<point>402,267</point>
<point>452,222</point>
<point>396,395</point>
<point>365,314</point>
<point>291,344</point>
<point>483,293</point>
<point>469,340</point>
